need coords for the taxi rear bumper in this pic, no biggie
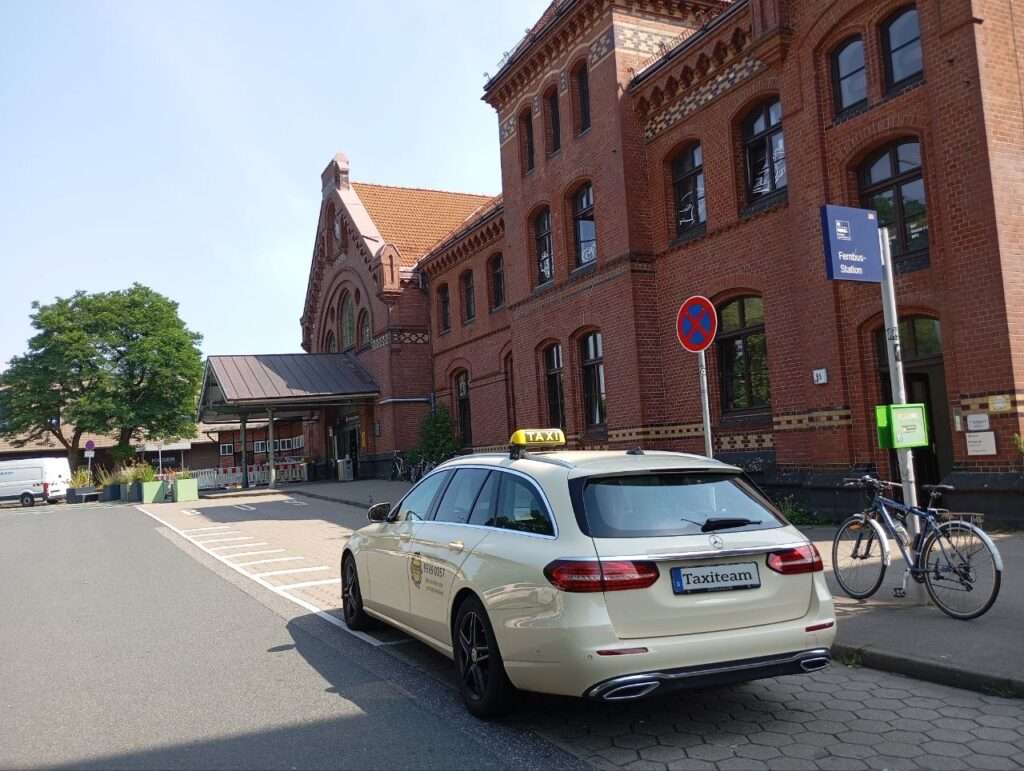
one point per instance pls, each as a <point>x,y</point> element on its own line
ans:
<point>635,686</point>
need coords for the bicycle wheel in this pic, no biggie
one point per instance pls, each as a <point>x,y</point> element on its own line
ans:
<point>963,570</point>
<point>857,558</point>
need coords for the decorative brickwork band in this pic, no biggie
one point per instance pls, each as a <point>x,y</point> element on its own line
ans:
<point>678,431</point>
<point>506,129</point>
<point>409,337</point>
<point>760,441</point>
<point>647,41</point>
<point>693,100</point>
<point>602,47</point>
<point>810,421</point>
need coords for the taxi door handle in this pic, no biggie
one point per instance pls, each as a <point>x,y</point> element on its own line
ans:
<point>456,545</point>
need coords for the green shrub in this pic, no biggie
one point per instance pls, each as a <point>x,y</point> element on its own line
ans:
<point>795,512</point>
<point>143,472</point>
<point>82,477</point>
<point>437,438</point>
<point>183,473</point>
<point>105,478</point>
<point>123,455</point>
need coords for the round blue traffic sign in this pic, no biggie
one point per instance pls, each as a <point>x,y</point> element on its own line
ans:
<point>696,324</point>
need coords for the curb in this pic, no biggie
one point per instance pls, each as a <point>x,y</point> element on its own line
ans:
<point>931,671</point>
<point>345,501</point>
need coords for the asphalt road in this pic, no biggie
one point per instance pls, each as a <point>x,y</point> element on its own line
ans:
<point>122,650</point>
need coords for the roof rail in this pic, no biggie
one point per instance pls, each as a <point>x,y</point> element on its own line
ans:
<point>541,458</point>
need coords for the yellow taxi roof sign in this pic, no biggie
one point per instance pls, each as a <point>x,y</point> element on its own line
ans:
<point>538,437</point>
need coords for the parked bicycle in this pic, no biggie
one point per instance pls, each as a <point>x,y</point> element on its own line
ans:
<point>956,561</point>
<point>399,468</point>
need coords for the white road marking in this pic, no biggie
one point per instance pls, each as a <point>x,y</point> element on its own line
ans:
<point>245,507</point>
<point>294,502</point>
<point>333,620</point>
<point>225,540</point>
<point>274,559</point>
<point>254,553</point>
<point>211,536</point>
<point>201,529</point>
<point>236,546</point>
<point>304,584</point>
<point>287,572</point>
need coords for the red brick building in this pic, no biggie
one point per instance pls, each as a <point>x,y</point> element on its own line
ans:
<point>651,150</point>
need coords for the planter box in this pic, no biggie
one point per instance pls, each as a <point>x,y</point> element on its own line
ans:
<point>131,492</point>
<point>185,490</point>
<point>111,493</point>
<point>152,492</point>
<point>81,494</point>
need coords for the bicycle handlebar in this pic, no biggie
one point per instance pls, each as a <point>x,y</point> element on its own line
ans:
<point>868,481</point>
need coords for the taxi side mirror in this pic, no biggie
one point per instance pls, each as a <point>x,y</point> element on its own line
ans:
<point>378,512</point>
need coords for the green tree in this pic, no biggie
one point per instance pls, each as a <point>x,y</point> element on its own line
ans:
<point>113,362</point>
<point>437,437</point>
<point>59,387</point>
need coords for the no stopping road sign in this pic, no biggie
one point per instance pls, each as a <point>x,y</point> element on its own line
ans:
<point>696,324</point>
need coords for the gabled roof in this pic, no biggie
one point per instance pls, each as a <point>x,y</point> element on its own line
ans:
<point>289,376</point>
<point>415,219</point>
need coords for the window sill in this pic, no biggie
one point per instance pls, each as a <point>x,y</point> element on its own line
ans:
<point>897,89</point>
<point>468,322</point>
<point>584,132</point>
<point>498,308</point>
<point>584,269</point>
<point>851,112</point>
<point>444,332</point>
<point>542,288</point>
<point>553,154</point>
<point>752,417</point>
<point>698,231</point>
<point>765,203</point>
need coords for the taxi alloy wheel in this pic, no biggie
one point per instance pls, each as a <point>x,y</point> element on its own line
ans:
<point>351,598</point>
<point>485,687</point>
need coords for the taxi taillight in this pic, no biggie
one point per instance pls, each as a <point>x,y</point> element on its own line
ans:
<point>592,576</point>
<point>802,559</point>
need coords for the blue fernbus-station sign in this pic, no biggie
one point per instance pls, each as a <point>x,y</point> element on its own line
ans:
<point>852,249</point>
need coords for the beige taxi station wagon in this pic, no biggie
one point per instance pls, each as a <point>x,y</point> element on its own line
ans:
<point>605,575</point>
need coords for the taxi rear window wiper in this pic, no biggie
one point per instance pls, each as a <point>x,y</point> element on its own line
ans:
<point>724,523</point>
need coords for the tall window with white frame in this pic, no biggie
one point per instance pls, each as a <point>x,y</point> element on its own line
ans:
<point>743,355</point>
<point>765,150</point>
<point>892,183</point>
<point>688,190</point>
<point>901,49</point>
<point>592,371</point>
<point>553,385</point>
<point>468,297</point>
<point>542,246</point>
<point>463,410</point>
<point>584,227</point>
<point>849,76</point>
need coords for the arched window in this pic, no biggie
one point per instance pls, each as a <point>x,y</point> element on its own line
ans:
<point>552,122</point>
<point>348,322</point>
<point>526,144</point>
<point>468,296</point>
<point>331,344</point>
<point>920,340</point>
<point>553,385</point>
<point>592,371</point>
<point>583,225</point>
<point>901,49</point>
<point>581,92</point>
<point>444,308</point>
<point>743,355</point>
<point>892,184</point>
<point>364,328</point>
<point>849,75</point>
<point>496,271</point>
<point>542,246</point>
<point>688,189</point>
<point>463,413</point>
<point>765,150</point>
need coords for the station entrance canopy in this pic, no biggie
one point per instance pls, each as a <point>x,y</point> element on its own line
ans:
<point>237,389</point>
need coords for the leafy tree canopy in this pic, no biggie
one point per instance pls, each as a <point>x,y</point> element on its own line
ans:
<point>112,362</point>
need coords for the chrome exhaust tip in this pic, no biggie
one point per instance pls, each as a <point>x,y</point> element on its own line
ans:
<point>815,663</point>
<point>630,691</point>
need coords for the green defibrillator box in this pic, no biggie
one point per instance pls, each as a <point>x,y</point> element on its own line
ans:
<point>901,426</point>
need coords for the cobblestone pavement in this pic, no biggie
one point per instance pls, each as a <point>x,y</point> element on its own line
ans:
<point>840,718</point>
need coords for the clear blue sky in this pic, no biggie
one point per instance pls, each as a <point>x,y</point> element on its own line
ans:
<point>179,144</point>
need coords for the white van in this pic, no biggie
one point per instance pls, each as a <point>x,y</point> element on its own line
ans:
<point>43,478</point>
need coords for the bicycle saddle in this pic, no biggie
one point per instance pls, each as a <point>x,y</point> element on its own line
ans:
<point>938,488</point>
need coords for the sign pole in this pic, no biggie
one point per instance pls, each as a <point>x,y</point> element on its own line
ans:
<point>705,404</point>
<point>915,592</point>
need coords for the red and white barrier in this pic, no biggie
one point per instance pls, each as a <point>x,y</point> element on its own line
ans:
<point>286,471</point>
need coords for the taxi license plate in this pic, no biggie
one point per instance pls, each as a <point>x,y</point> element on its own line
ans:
<point>715,578</point>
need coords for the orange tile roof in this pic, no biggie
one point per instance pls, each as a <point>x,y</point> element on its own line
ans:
<point>415,219</point>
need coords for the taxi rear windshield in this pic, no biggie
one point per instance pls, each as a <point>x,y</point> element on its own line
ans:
<point>667,504</point>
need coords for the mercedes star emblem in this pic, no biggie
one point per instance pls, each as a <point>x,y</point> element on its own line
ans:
<point>716,541</point>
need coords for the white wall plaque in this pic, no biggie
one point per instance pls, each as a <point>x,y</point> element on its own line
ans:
<point>999,403</point>
<point>820,376</point>
<point>981,443</point>
<point>978,421</point>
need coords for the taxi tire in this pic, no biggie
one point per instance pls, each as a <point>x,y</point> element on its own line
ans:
<point>499,693</point>
<point>352,610</point>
